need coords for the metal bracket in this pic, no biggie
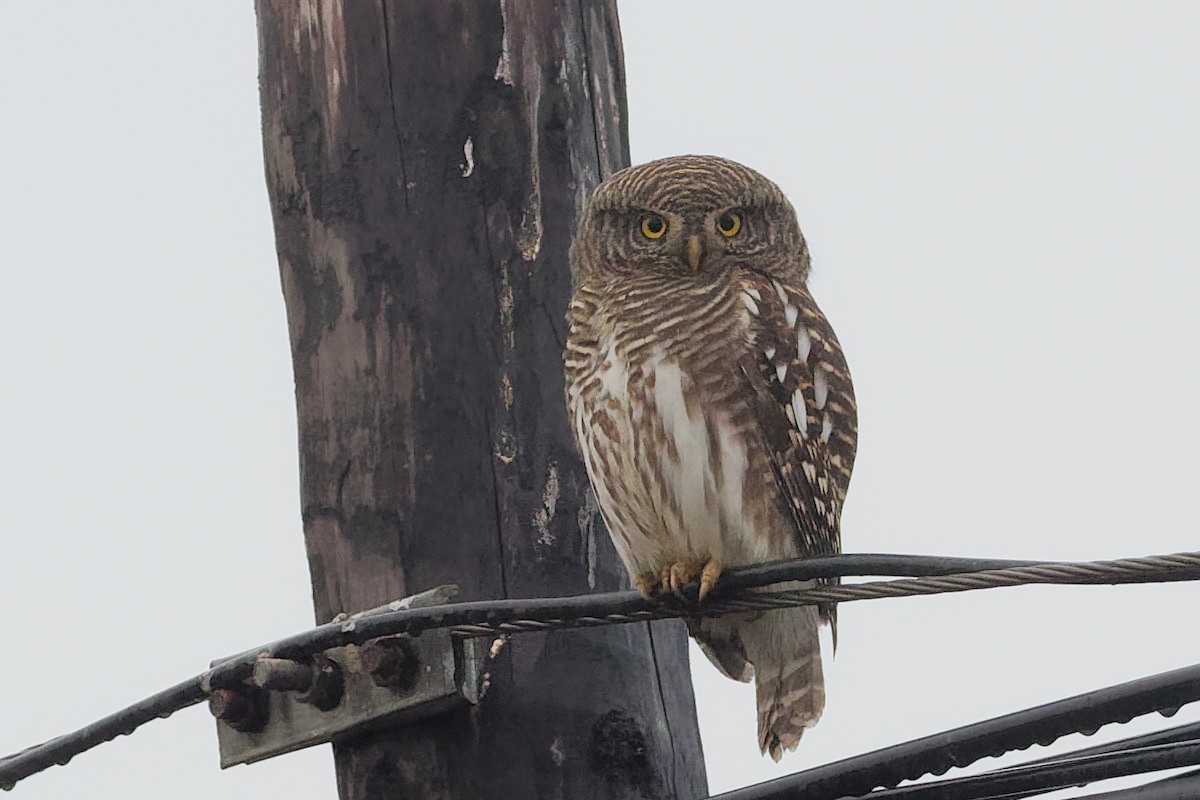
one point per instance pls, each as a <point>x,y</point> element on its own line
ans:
<point>288,705</point>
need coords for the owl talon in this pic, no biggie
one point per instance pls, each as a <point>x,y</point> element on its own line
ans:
<point>648,583</point>
<point>680,576</point>
<point>708,577</point>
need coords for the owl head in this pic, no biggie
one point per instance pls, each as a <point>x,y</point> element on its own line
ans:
<point>697,216</point>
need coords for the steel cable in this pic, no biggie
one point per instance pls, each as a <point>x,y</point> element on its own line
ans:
<point>738,590</point>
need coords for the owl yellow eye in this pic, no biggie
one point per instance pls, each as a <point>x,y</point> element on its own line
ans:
<point>729,224</point>
<point>653,226</point>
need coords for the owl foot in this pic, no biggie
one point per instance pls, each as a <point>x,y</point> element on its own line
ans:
<point>648,583</point>
<point>678,575</point>
<point>674,577</point>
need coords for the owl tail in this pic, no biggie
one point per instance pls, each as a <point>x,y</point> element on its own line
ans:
<point>788,680</point>
<point>782,651</point>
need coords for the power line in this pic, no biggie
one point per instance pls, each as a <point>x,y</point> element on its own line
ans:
<point>934,755</point>
<point>1176,567</point>
<point>1030,780</point>
<point>1176,787</point>
<point>738,590</point>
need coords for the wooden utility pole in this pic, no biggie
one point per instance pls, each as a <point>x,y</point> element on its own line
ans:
<point>426,162</point>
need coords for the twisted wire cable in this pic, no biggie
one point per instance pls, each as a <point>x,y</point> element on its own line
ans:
<point>738,590</point>
<point>1184,566</point>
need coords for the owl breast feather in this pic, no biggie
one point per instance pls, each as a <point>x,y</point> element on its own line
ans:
<point>669,463</point>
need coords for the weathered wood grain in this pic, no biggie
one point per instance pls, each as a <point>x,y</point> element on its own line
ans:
<point>425,163</point>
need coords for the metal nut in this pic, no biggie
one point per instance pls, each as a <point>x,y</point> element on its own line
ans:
<point>243,708</point>
<point>391,661</point>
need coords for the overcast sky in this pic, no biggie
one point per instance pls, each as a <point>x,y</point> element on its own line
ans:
<point>1001,200</point>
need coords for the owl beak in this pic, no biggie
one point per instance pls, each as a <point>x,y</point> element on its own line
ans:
<point>694,253</point>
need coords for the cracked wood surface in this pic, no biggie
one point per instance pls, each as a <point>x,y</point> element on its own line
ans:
<point>425,163</point>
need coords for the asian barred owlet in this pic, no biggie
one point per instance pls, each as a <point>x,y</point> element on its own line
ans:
<point>713,407</point>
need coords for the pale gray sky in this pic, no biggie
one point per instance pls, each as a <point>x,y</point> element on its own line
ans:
<point>1001,199</point>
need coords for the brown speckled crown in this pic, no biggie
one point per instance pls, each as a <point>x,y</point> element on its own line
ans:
<point>686,183</point>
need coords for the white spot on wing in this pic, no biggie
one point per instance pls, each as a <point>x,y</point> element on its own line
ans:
<point>754,293</point>
<point>781,372</point>
<point>770,353</point>
<point>803,343</point>
<point>801,419</point>
<point>749,302</point>
<point>820,386</point>
<point>790,312</point>
<point>779,290</point>
<point>826,428</point>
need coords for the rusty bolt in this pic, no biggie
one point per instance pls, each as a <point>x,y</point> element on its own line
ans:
<point>243,708</point>
<point>328,684</point>
<point>283,675</point>
<point>391,661</point>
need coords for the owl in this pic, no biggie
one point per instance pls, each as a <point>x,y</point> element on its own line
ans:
<point>713,407</point>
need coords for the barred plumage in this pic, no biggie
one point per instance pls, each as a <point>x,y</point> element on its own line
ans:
<point>712,405</point>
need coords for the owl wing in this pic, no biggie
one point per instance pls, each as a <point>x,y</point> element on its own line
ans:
<point>804,404</point>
